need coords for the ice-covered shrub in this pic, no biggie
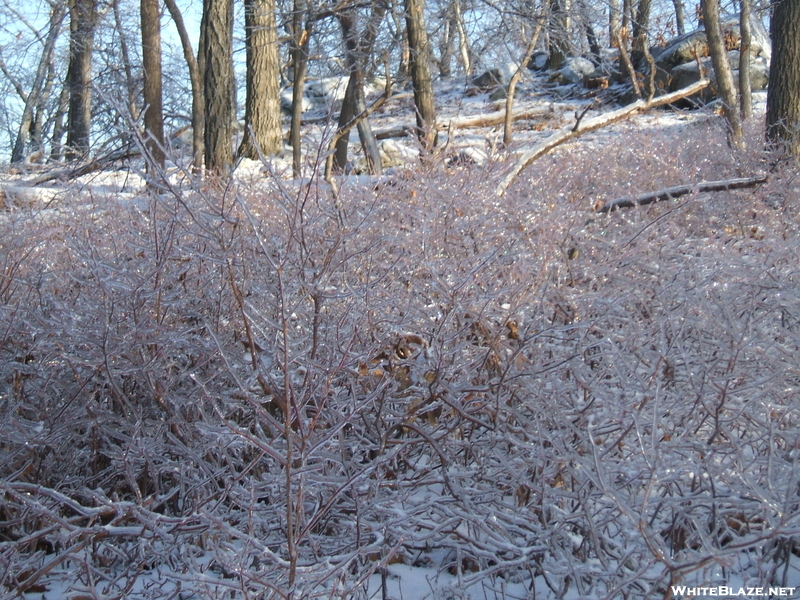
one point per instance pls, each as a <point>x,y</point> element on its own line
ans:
<point>266,392</point>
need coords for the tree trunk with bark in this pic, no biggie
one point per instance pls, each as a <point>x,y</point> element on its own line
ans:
<point>359,49</point>
<point>464,49</point>
<point>153,88</point>
<point>783,95</point>
<point>130,82</point>
<point>43,116</point>
<point>745,87</point>
<point>641,28</point>
<point>79,77</point>
<point>558,46</point>
<point>627,10</point>
<point>512,84</point>
<point>56,142</point>
<point>446,47</point>
<point>217,42</point>
<point>34,96</point>
<point>722,71</point>
<point>262,115</point>
<point>196,82</point>
<point>300,46</point>
<point>614,20</point>
<point>420,72</point>
<point>680,20</point>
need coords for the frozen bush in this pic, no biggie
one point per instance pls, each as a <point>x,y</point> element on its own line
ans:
<point>270,393</point>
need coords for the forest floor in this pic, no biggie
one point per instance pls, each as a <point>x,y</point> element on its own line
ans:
<point>480,146</point>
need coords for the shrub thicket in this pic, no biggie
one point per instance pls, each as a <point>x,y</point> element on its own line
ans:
<point>267,393</point>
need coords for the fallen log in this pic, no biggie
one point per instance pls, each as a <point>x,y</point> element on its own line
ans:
<point>395,132</point>
<point>25,196</point>
<point>97,164</point>
<point>586,125</point>
<point>491,119</point>
<point>680,190</point>
<point>472,122</point>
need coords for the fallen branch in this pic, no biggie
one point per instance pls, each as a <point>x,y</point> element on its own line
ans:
<point>491,119</point>
<point>97,164</point>
<point>395,132</point>
<point>579,115</point>
<point>567,133</point>
<point>681,190</point>
<point>25,196</point>
<point>472,122</point>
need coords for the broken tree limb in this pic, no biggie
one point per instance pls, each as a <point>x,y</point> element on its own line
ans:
<point>681,190</point>
<point>474,121</point>
<point>585,126</point>
<point>97,164</point>
<point>82,169</point>
<point>493,118</point>
<point>394,132</point>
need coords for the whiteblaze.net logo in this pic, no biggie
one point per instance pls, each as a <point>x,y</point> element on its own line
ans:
<point>682,591</point>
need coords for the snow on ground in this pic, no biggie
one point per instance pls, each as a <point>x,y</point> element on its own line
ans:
<point>452,103</point>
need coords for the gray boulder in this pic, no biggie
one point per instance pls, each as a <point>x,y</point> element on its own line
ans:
<point>327,89</point>
<point>538,61</point>
<point>687,47</point>
<point>286,101</point>
<point>467,157</point>
<point>485,82</point>
<point>573,71</point>
<point>396,154</point>
<point>501,93</point>
<point>689,73</point>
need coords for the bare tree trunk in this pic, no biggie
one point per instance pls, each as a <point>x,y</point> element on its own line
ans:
<point>745,88</point>
<point>463,41</point>
<point>151,65</point>
<point>625,62</point>
<point>558,47</point>
<point>591,36</point>
<point>680,21</point>
<point>359,48</point>
<point>627,9</point>
<point>446,46</point>
<point>79,77</point>
<point>614,19</point>
<point>349,109</point>
<point>401,39</point>
<point>302,38</point>
<point>512,85</point>
<point>722,72</point>
<point>641,28</point>
<point>217,32</point>
<point>420,73</point>
<point>32,101</point>
<point>262,117</point>
<point>783,95</point>
<point>40,124</point>
<point>126,62</point>
<point>195,79</point>
<point>56,145</point>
